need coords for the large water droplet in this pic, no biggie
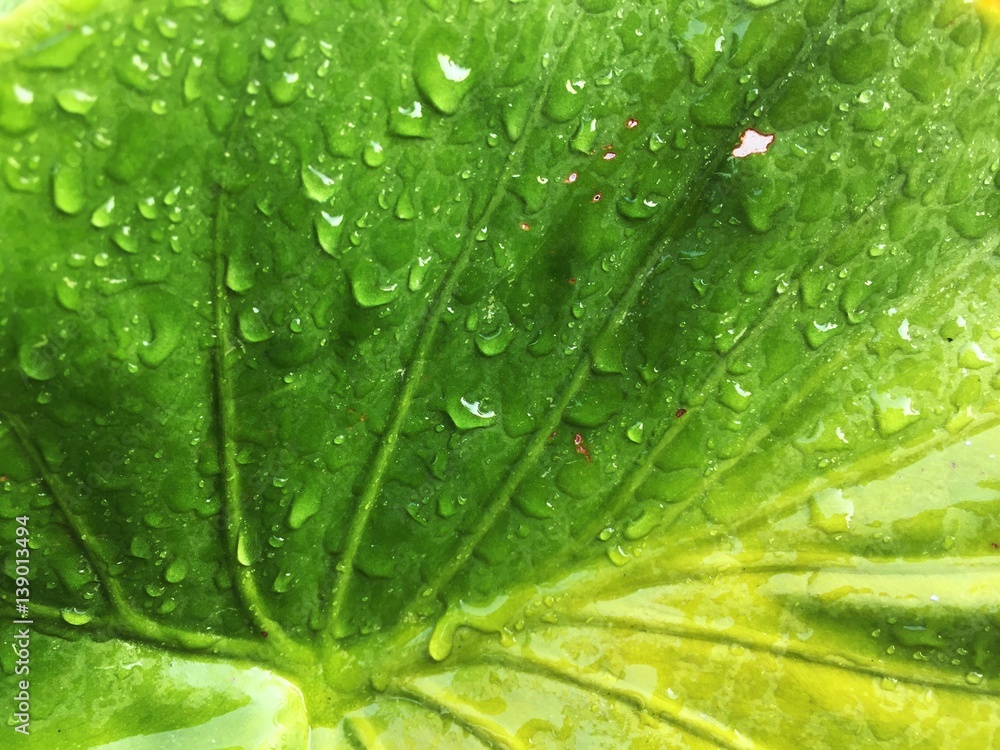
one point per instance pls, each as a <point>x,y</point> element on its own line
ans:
<point>733,395</point>
<point>404,206</point>
<point>253,327</point>
<point>16,113</point>
<point>192,80</point>
<point>68,293</point>
<point>125,239</point>
<point>370,286</point>
<point>286,88</point>
<point>373,154</point>
<point>76,101</point>
<point>304,506</point>
<point>328,229</point>
<point>893,413</point>
<point>408,122</point>
<point>38,360</point>
<point>235,11</point>
<point>102,216</point>
<point>635,433</point>
<point>319,186</point>
<point>67,187</point>
<point>439,72</point>
<point>830,511</point>
<point>583,138</point>
<point>166,336</point>
<point>176,572</point>
<point>971,357</point>
<point>470,413</point>
<point>76,617</point>
<point>495,342</point>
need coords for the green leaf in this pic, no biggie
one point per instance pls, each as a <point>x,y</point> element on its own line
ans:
<point>434,374</point>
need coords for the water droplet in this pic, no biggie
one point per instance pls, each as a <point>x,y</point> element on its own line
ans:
<point>148,208</point>
<point>470,413</point>
<point>373,154</point>
<point>75,101</point>
<point>583,139</point>
<point>974,678</point>
<point>893,413</point>
<point>286,88</point>
<point>319,186</point>
<point>68,293</point>
<point>176,572</point>
<point>102,215</point>
<point>634,208</point>
<point>235,11</point>
<point>644,524</point>
<point>618,556</point>
<point>125,239</point>
<point>404,206</point>
<point>67,187</point>
<point>418,272</point>
<point>328,229</point>
<point>305,505</point>
<point>37,361</point>
<point>282,583</point>
<point>818,333</point>
<point>167,27</point>
<point>830,511</point>
<point>16,113</point>
<point>192,80</point>
<point>253,327</point>
<point>515,117</point>
<point>370,286</point>
<point>971,357</point>
<point>635,433</point>
<point>440,73</point>
<point>155,589</point>
<point>409,121</point>
<point>268,49</point>
<point>244,554</point>
<point>496,342</point>
<point>76,617</point>
<point>733,395</point>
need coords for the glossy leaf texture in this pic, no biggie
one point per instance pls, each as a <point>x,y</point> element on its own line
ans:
<point>442,359</point>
